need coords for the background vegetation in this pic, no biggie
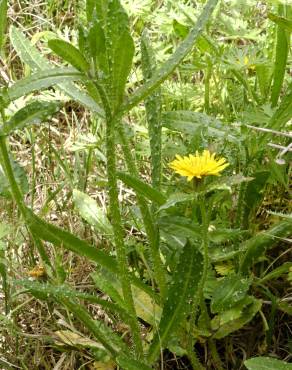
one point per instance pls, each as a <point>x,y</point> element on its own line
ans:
<point>107,258</point>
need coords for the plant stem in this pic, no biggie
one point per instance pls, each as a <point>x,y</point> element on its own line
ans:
<point>118,233</point>
<point>215,356</point>
<point>150,227</point>
<point>193,356</point>
<point>205,243</point>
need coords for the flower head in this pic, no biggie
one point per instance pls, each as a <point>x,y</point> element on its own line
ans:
<point>198,165</point>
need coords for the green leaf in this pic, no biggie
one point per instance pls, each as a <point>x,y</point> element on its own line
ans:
<point>254,194</point>
<point>257,245</point>
<point>41,80</point>
<point>32,57</point>
<point>188,122</point>
<point>266,363</point>
<point>3,21</point>
<point>234,319</point>
<point>121,67</point>
<point>116,23</point>
<point>282,50</point>
<point>192,123</point>
<point>33,113</point>
<point>90,5</point>
<point>281,21</point>
<point>153,112</point>
<point>176,198</point>
<point>264,77</point>
<point>145,306</point>
<point>127,363</point>
<point>277,272</point>
<point>69,53</point>
<point>92,213</point>
<point>62,238</point>
<point>46,290</point>
<point>142,188</point>
<point>169,66</point>
<point>96,40</point>
<point>231,289</point>
<point>180,29</point>
<point>110,340</point>
<point>59,237</point>
<point>181,293</point>
<point>283,113</point>
<point>179,227</point>
<point>107,283</point>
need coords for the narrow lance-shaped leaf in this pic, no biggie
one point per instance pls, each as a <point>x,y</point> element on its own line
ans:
<point>282,50</point>
<point>257,245</point>
<point>3,21</point>
<point>62,238</point>
<point>90,5</point>
<point>283,113</point>
<point>47,290</point>
<point>153,112</point>
<point>111,342</point>
<point>32,57</point>
<point>275,273</point>
<point>39,81</point>
<point>34,113</point>
<point>69,53</point>
<point>122,63</point>
<point>281,21</point>
<point>181,293</point>
<point>169,66</point>
<point>142,188</point>
<point>119,50</point>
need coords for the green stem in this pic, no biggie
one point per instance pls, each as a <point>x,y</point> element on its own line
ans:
<point>116,217</point>
<point>205,243</point>
<point>118,233</point>
<point>193,356</point>
<point>215,356</point>
<point>150,227</point>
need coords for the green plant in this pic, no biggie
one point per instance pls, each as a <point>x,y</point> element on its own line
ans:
<point>174,280</point>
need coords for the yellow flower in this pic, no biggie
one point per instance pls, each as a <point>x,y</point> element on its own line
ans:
<point>246,60</point>
<point>198,165</point>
